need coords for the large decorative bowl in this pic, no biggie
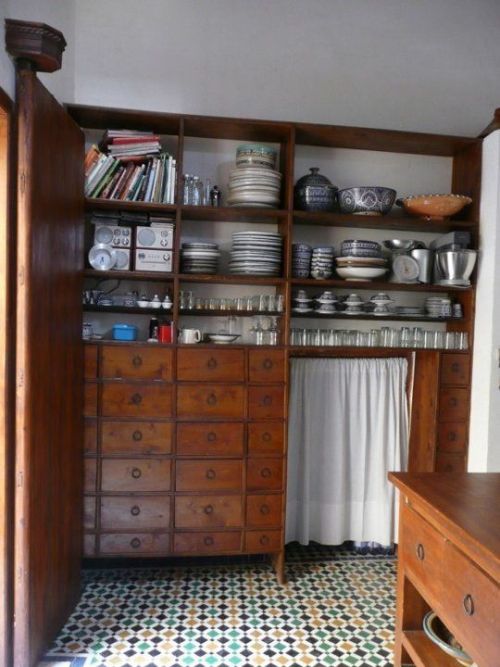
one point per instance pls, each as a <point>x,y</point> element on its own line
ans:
<point>434,207</point>
<point>315,192</point>
<point>440,635</point>
<point>366,200</point>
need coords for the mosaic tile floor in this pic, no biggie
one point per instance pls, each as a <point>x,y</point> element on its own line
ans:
<point>336,609</point>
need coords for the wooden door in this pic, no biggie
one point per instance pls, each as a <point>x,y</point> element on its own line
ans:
<point>49,382</point>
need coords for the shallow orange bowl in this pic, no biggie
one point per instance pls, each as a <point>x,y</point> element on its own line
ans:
<point>434,207</point>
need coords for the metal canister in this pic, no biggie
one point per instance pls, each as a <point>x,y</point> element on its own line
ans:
<point>215,196</point>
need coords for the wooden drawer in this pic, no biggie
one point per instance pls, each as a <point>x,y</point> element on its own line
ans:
<point>126,544</point>
<point>208,511</point>
<point>136,437</point>
<point>209,475</point>
<point>135,513</point>
<point>453,404</point>
<point>422,550</point>
<point>452,437</point>
<point>265,438</point>
<point>89,475</point>
<point>90,436</point>
<point>136,362</point>
<point>262,541</point>
<point>207,543</point>
<point>211,365</point>
<point>266,402</point>
<point>89,545</point>
<point>451,462</point>
<point>455,370</point>
<point>90,356</point>
<point>210,439</point>
<point>135,475</point>
<point>211,400</point>
<point>136,400</point>
<point>264,511</point>
<point>90,399</point>
<point>266,365</point>
<point>472,604</point>
<point>264,474</point>
<point>89,508</point>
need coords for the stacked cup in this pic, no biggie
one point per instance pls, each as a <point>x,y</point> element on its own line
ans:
<point>301,260</point>
<point>322,262</point>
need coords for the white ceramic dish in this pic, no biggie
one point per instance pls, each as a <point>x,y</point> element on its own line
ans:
<point>143,304</point>
<point>223,338</point>
<point>360,273</point>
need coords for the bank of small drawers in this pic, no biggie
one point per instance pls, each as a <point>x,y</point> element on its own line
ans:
<point>184,450</point>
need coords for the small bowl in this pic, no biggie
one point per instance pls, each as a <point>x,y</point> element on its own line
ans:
<point>143,304</point>
<point>155,304</point>
<point>402,244</point>
<point>366,200</point>
<point>434,207</point>
<point>439,634</point>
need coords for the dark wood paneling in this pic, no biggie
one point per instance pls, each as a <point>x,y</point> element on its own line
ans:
<point>48,541</point>
<point>136,437</point>
<point>211,365</point>
<point>211,400</point>
<point>144,363</point>
<point>139,400</point>
<point>210,439</point>
<point>424,408</point>
<point>208,475</point>
<point>195,544</point>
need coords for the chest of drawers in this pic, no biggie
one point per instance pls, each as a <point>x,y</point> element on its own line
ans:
<point>185,450</point>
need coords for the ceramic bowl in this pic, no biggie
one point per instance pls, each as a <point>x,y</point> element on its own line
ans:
<point>360,273</point>
<point>402,244</point>
<point>439,634</point>
<point>143,304</point>
<point>434,207</point>
<point>366,200</point>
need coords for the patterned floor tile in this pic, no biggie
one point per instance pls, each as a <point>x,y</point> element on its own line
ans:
<point>335,611</point>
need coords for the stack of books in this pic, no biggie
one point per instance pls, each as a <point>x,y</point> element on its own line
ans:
<point>130,166</point>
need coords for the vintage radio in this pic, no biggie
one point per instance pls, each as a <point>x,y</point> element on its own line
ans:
<point>159,237</point>
<point>153,260</point>
<point>113,235</point>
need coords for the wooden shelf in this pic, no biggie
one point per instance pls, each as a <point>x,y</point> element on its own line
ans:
<point>354,350</point>
<point>233,214</point>
<point>130,206</point>
<point>231,312</point>
<point>374,318</point>
<point>230,279</point>
<point>424,652</point>
<point>89,308</point>
<point>404,223</point>
<point>129,275</point>
<point>375,285</point>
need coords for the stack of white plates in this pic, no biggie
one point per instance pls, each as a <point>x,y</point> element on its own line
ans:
<point>254,186</point>
<point>200,257</point>
<point>437,306</point>
<point>256,253</point>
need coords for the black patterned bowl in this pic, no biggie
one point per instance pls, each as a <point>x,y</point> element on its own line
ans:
<point>366,200</point>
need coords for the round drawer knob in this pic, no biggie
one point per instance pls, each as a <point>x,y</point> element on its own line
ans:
<point>266,437</point>
<point>135,510</point>
<point>267,400</point>
<point>210,474</point>
<point>267,364</point>
<point>455,367</point>
<point>137,436</point>
<point>264,540</point>
<point>453,402</point>
<point>452,436</point>
<point>137,361</point>
<point>208,509</point>
<point>208,541</point>
<point>212,363</point>
<point>420,552</point>
<point>136,399</point>
<point>468,603</point>
<point>212,399</point>
<point>265,472</point>
<point>135,543</point>
<point>136,473</point>
<point>211,436</point>
<point>264,509</point>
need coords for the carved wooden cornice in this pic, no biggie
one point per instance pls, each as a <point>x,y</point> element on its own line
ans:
<point>37,43</point>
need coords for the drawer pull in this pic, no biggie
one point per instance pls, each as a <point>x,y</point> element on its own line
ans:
<point>137,436</point>
<point>420,552</point>
<point>266,437</point>
<point>264,539</point>
<point>265,472</point>
<point>212,399</point>
<point>210,474</point>
<point>137,361</point>
<point>135,543</point>
<point>135,510</point>
<point>468,603</point>
<point>267,400</point>
<point>136,473</point>
<point>453,402</point>
<point>264,509</point>
<point>212,363</point>
<point>208,541</point>
<point>267,364</point>
<point>136,399</point>
<point>452,436</point>
<point>208,509</point>
<point>455,367</point>
<point>211,436</point>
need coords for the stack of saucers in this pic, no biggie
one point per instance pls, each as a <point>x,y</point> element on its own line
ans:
<point>256,253</point>
<point>301,302</point>
<point>322,263</point>
<point>301,260</point>
<point>255,181</point>
<point>361,260</point>
<point>354,305</point>
<point>198,257</point>
<point>325,303</point>
<point>437,306</point>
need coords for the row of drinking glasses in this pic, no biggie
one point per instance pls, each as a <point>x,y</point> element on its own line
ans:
<point>260,303</point>
<point>384,337</point>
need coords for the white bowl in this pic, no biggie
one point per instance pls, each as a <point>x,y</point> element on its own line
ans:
<point>143,304</point>
<point>360,272</point>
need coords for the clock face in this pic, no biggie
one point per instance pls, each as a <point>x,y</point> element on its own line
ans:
<point>102,257</point>
<point>103,234</point>
<point>405,268</point>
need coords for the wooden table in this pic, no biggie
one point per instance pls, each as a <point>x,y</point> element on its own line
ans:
<point>449,561</point>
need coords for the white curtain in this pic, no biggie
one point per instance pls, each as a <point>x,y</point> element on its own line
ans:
<point>348,426</point>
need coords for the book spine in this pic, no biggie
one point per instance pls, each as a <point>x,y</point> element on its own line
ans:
<point>125,183</point>
<point>113,182</point>
<point>107,176</point>
<point>137,181</point>
<point>94,174</point>
<point>142,191</point>
<point>151,181</point>
<point>119,183</point>
<point>173,181</point>
<point>166,184</point>
<point>139,188</point>
<point>131,183</point>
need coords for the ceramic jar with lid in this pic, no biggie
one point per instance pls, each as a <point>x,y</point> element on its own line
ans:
<point>315,192</point>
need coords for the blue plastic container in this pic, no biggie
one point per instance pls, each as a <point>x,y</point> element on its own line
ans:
<point>124,332</point>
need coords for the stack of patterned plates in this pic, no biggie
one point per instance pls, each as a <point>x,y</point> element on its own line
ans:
<point>256,253</point>
<point>301,260</point>
<point>322,263</point>
<point>437,306</point>
<point>254,186</point>
<point>200,257</point>
<point>361,260</point>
